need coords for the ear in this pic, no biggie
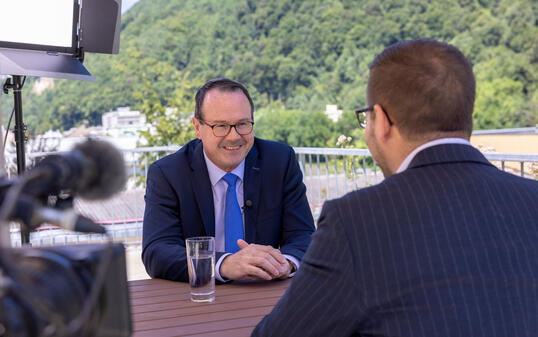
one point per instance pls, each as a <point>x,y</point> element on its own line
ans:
<point>381,124</point>
<point>196,124</point>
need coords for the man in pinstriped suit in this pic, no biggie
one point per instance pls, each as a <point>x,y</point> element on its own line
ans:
<point>446,245</point>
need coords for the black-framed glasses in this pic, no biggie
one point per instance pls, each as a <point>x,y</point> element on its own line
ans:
<point>361,116</point>
<point>222,129</point>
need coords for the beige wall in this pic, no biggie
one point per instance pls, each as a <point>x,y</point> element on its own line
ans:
<point>507,143</point>
<point>510,144</point>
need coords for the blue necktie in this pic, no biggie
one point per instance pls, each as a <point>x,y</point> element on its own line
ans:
<point>233,220</point>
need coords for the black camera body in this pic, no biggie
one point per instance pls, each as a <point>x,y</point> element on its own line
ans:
<point>43,290</point>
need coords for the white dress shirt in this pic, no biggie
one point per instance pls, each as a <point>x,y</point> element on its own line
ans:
<point>405,164</point>
<point>219,187</point>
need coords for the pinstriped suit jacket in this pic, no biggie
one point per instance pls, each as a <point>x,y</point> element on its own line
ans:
<point>448,247</point>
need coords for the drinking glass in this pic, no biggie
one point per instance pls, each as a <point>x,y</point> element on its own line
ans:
<point>201,264</point>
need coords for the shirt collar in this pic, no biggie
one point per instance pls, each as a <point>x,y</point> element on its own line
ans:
<point>216,173</point>
<point>405,164</point>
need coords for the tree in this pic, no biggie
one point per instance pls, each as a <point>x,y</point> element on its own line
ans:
<point>499,105</point>
<point>302,54</point>
<point>170,118</point>
<point>293,127</point>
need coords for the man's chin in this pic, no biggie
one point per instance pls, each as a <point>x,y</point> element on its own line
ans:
<point>231,159</point>
<point>231,164</point>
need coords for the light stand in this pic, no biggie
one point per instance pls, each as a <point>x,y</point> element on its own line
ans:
<point>20,138</point>
<point>98,20</point>
<point>19,126</point>
<point>31,63</point>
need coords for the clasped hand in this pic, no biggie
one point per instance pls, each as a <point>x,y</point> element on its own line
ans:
<point>255,262</point>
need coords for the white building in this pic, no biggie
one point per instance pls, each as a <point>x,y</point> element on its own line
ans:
<point>124,118</point>
<point>331,110</point>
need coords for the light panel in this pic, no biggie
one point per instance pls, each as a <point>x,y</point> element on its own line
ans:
<point>37,22</point>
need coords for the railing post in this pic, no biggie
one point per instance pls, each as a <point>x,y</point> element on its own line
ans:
<point>364,171</point>
<point>302,164</point>
<point>336,175</point>
<point>345,174</point>
<point>328,181</point>
<point>145,165</point>
<point>319,180</point>
<point>311,178</point>
<point>354,174</point>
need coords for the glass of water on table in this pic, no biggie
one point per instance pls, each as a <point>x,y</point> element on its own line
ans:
<point>201,264</point>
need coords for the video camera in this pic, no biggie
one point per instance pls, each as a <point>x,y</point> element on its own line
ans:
<point>65,291</point>
<point>70,290</point>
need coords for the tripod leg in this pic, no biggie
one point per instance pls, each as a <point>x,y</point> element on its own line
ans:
<point>19,141</point>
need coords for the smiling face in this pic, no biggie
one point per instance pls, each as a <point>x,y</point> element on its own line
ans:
<point>224,107</point>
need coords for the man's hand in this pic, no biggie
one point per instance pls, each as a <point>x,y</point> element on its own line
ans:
<point>255,262</point>
<point>290,268</point>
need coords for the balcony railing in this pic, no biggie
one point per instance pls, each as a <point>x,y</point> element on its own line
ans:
<point>327,172</point>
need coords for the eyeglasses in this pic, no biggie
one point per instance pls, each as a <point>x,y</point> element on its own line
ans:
<point>361,116</point>
<point>222,130</point>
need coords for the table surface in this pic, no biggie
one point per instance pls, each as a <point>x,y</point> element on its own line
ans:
<point>163,308</point>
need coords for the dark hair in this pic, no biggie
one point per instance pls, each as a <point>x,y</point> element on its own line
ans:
<point>425,86</point>
<point>224,84</point>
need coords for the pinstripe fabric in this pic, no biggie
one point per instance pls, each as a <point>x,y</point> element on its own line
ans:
<point>447,248</point>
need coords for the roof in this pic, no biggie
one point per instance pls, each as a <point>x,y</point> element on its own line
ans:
<point>127,206</point>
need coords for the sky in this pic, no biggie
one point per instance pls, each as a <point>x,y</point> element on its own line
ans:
<point>126,4</point>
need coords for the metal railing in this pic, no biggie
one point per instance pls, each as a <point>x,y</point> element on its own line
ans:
<point>332,172</point>
<point>327,173</point>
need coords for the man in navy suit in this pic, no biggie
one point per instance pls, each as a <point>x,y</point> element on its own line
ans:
<point>246,192</point>
<point>446,245</point>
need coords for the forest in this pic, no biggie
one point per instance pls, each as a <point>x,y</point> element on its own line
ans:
<point>295,56</point>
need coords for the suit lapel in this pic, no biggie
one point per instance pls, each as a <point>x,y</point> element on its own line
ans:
<point>251,192</point>
<point>202,189</point>
<point>448,153</point>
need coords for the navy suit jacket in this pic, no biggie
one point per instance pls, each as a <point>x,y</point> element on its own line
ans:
<point>179,205</point>
<point>448,247</point>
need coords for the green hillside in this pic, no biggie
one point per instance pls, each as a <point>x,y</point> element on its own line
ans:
<point>295,55</point>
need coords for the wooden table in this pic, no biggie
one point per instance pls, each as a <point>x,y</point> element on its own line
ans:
<point>163,308</point>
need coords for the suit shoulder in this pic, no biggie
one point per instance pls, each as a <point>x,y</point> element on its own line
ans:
<point>520,184</point>
<point>516,179</point>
